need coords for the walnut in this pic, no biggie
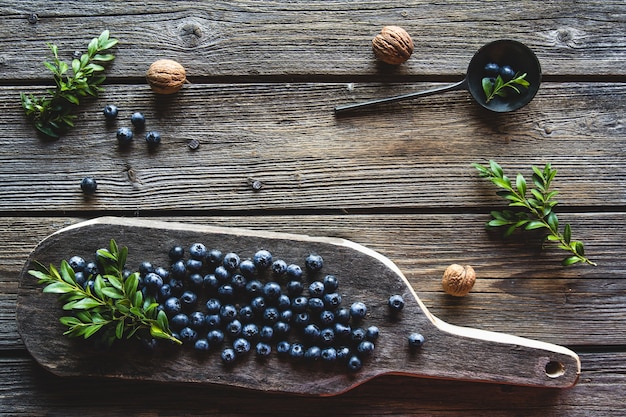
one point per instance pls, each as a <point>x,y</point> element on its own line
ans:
<point>166,76</point>
<point>393,45</point>
<point>458,280</point>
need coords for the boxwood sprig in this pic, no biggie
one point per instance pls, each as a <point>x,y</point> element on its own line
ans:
<point>498,87</point>
<point>114,309</point>
<point>534,212</point>
<point>53,114</point>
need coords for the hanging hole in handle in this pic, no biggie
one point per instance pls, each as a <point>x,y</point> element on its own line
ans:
<point>555,369</point>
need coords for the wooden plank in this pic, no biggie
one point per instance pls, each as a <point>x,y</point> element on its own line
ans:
<point>414,155</point>
<point>252,39</point>
<point>519,290</point>
<point>27,389</point>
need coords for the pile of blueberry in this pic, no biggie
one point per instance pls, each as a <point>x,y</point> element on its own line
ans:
<point>124,134</point>
<point>492,70</point>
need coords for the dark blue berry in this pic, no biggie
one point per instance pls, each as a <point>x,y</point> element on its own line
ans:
<point>302,319</point>
<point>327,318</point>
<point>296,351</point>
<point>153,138</point>
<point>279,267</point>
<point>188,299</point>
<point>313,262</point>
<point>79,277</point>
<point>416,340</point>
<point>165,292</point>
<point>271,315</point>
<point>247,268</point>
<point>283,347</point>
<point>213,321</point>
<point>110,111</point>
<point>272,290</point>
<point>354,364</point>
<point>258,305</point>
<point>138,120</point>
<point>213,305</point>
<point>222,274</point>
<point>176,253</point>
<point>77,263</point>
<point>124,136</point>
<point>313,353</point>
<point>228,356</point>
<point>195,281</point>
<point>179,321</point>
<point>281,328</point>
<point>226,292</point>
<point>215,337</point>
<point>88,185</point>
<point>172,306</point>
<point>507,73</point>
<point>91,269</point>
<point>295,288</point>
<point>254,288</point>
<point>234,328</point>
<point>197,320</point>
<point>316,305</point>
<point>343,353</point>
<point>214,258</point>
<point>342,315</point>
<point>241,346</point>
<point>250,331</point>
<point>396,303</point>
<point>145,268</point>
<point>332,300</point>
<point>316,289</point>
<point>343,331</point>
<point>294,272</point>
<point>178,270</point>
<point>283,302</point>
<point>194,265</point>
<point>228,312</point>
<point>331,283</point>
<point>162,272</point>
<point>177,287</point>
<point>329,354</point>
<point>188,335</point>
<point>197,251</point>
<point>231,261</point>
<point>327,336</point>
<point>262,259</point>
<point>263,350</point>
<point>246,314</point>
<point>358,335</point>
<point>286,316</point>
<point>201,345</point>
<point>299,304</point>
<point>266,333</point>
<point>365,348</point>
<point>371,333</point>
<point>492,69</point>
<point>312,332</point>
<point>358,310</point>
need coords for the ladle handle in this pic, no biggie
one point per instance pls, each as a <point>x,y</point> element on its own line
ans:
<point>349,107</point>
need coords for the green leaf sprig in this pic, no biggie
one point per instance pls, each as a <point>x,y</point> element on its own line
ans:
<point>53,114</point>
<point>115,308</point>
<point>537,211</point>
<point>498,87</point>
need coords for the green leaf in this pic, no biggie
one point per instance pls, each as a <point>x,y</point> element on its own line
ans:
<point>553,221</point>
<point>103,57</point>
<point>520,184</point>
<point>532,225</point>
<point>112,293</point>
<point>571,260</point>
<point>567,234</point>
<point>579,248</point>
<point>58,288</point>
<point>162,320</point>
<point>502,182</point>
<point>119,329</point>
<point>496,169</point>
<point>85,304</point>
<point>487,86</point>
<point>131,284</point>
<point>498,222</point>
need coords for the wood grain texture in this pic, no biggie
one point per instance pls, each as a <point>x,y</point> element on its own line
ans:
<point>414,155</point>
<point>319,38</point>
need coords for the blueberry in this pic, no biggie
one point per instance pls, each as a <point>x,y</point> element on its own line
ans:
<point>222,274</point>
<point>195,281</point>
<point>91,269</point>
<point>179,321</point>
<point>210,283</point>
<point>327,336</point>
<point>188,335</point>
<point>342,315</point>
<point>312,332</point>
<point>228,312</point>
<point>77,263</point>
<point>262,259</point>
<point>271,315</point>
<point>178,270</point>
<point>507,73</point>
<point>343,353</point>
<point>358,310</point>
<point>138,120</point>
<point>272,290</point>
<point>250,331</point>
<point>283,347</point>
<point>396,303</point>
<point>294,272</point>
<point>354,364</point>
<point>283,302</point>
<point>316,289</point>
<point>492,69</point>
<point>197,320</point>
<point>124,136</point>
<point>299,304</point>
<point>110,111</point>
<point>302,319</point>
<point>201,345</point>
<point>416,340</point>
<point>241,346</point>
<point>254,288</point>
<point>247,268</point>
<point>329,354</point>
<point>365,348</point>
<point>231,261</point>
<point>153,138</point>
<point>313,353</point>
<point>79,277</point>
<point>263,350</point>
<point>165,292</point>
<point>197,251</point>
<point>228,356</point>
<point>176,287</point>
<point>212,321</point>
<point>176,253</point>
<point>215,337</point>
<point>316,305</point>
<point>145,268</point>
<point>213,305</point>
<point>279,267</point>
<point>331,283</point>
<point>332,300</point>
<point>313,262</point>
<point>296,351</point>
<point>188,299</point>
<point>193,265</point>
<point>214,257</point>
<point>358,335</point>
<point>371,333</point>
<point>258,305</point>
<point>172,306</point>
<point>246,314</point>
<point>162,272</point>
<point>88,185</point>
<point>234,328</point>
<point>286,316</point>
<point>226,292</point>
<point>295,288</point>
<point>281,328</point>
<point>327,318</point>
<point>343,331</point>
<point>266,333</point>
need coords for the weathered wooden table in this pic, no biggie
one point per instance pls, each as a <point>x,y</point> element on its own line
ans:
<point>264,79</point>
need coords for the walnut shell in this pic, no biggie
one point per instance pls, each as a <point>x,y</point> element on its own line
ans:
<point>393,45</point>
<point>166,76</point>
<point>458,280</point>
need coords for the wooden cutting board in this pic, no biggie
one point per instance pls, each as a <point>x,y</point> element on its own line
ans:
<point>449,352</point>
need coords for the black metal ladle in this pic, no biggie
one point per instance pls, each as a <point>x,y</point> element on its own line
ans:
<point>503,52</point>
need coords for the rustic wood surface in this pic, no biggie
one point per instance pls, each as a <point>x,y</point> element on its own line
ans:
<point>265,77</point>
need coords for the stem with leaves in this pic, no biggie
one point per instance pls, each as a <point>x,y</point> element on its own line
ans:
<point>497,87</point>
<point>536,211</point>
<point>115,308</point>
<point>53,114</point>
